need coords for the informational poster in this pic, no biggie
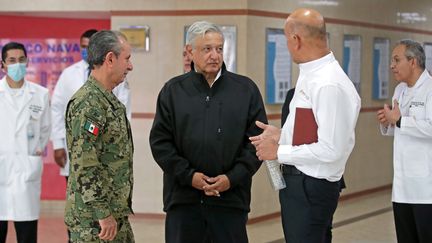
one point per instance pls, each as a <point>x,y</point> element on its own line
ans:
<point>428,52</point>
<point>46,60</point>
<point>352,59</point>
<point>278,66</point>
<point>230,45</point>
<point>381,68</point>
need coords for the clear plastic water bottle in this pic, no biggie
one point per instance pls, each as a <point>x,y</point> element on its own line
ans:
<point>275,174</point>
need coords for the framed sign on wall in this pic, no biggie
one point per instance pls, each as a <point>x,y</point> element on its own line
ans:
<point>138,37</point>
<point>381,68</point>
<point>278,66</point>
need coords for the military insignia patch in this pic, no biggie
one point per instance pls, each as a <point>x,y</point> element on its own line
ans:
<point>91,128</point>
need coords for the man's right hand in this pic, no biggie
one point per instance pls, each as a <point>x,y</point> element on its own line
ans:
<point>381,118</point>
<point>108,228</point>
<point>60,157</point>
<point>199,180</point>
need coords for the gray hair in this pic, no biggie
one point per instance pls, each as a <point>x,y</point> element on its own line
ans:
<point>101,43</point>
<point>201,28</point>
<point>414,50</point>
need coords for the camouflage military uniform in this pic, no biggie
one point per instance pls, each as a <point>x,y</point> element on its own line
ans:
<point>100,146</point>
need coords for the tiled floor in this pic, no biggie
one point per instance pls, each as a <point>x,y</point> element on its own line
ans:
<point>367,219</point>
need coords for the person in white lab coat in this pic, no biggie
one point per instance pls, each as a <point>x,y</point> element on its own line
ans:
<point>410,122</point>
<point>24,132</point>
<point>71,79</point>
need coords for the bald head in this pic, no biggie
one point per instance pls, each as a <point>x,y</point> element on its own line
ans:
<point>306,35</point>
<point>307,22</point>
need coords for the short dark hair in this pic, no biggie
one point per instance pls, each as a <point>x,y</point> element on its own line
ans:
<point>12,46</point>
<point>88,33</point>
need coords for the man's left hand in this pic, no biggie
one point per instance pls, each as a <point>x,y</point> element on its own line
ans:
<point>266,149</point>
<point>217,185</point>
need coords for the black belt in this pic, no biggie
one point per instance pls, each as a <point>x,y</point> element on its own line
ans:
<point>290,170</point>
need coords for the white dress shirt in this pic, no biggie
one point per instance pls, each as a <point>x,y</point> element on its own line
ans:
<point>412,147</point>
<point>325,88</point>
<point>70,80</point>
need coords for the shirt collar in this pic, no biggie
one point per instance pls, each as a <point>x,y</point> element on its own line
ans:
<point>423,77</point>
<point>109,95</point>
<point>312,65</point>
<point>200,76</point>
<point>18,90</point>
<point>217,76</point>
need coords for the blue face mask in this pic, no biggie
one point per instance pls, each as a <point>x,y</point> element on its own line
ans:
<point>17,71</point>
<point>84,54</point>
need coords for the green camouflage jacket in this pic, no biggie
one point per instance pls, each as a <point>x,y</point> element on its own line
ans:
<point>100,146</point>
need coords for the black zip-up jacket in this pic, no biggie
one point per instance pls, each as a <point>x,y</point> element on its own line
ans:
<point>203,129</point>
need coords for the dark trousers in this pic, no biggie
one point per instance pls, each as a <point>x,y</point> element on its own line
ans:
<point>199,223</point>
<point>26,231</point>
<point>413,222</point>
<point>307,207</point>
<point>329,234</point>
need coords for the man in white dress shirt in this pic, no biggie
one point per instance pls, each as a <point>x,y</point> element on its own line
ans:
<point>312,170</point>
<point>410,122</point>
<point>71,79</point>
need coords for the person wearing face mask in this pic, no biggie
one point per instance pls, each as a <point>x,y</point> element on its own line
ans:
<point>24,132</point>
<point>71,79</point>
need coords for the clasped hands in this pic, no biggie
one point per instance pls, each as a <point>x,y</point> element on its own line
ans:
<point>387,116</point>
<point>212,186</point>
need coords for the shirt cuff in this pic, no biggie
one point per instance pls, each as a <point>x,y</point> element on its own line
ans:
<point>283,154</point>
<point>58,143</point>
<point>102,213</point>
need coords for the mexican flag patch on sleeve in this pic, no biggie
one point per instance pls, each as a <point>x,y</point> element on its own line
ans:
<point>91,128</point>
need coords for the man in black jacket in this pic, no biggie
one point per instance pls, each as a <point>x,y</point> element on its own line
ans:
<point>200,140</point>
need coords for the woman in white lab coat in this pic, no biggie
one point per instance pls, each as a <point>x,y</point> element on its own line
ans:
<point>24,132</point>
<point>410,121</point>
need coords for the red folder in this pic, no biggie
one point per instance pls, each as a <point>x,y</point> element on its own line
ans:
<point>305,127</point>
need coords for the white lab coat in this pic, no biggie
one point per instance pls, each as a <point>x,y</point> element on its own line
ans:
<point>412,152</point>
<point>24,130</point>
<point>71,79</point>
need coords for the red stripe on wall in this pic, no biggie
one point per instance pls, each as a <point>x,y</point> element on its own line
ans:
<point>261,13</point>
<point>41,27</point>
<point>184,12</point>
<point>275,116</point>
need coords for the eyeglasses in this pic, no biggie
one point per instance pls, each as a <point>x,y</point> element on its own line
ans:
<point>397,60</point>
<point>13,60</point>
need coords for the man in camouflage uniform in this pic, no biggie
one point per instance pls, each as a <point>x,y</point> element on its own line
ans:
<point>100,146</point>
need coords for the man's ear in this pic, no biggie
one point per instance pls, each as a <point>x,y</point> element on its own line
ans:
<point>189,49</point>
<point>414,62</point>
<point>297,41</point>
<point>109,58</point>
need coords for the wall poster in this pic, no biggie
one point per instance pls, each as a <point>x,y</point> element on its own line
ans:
<point>278,66</point>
